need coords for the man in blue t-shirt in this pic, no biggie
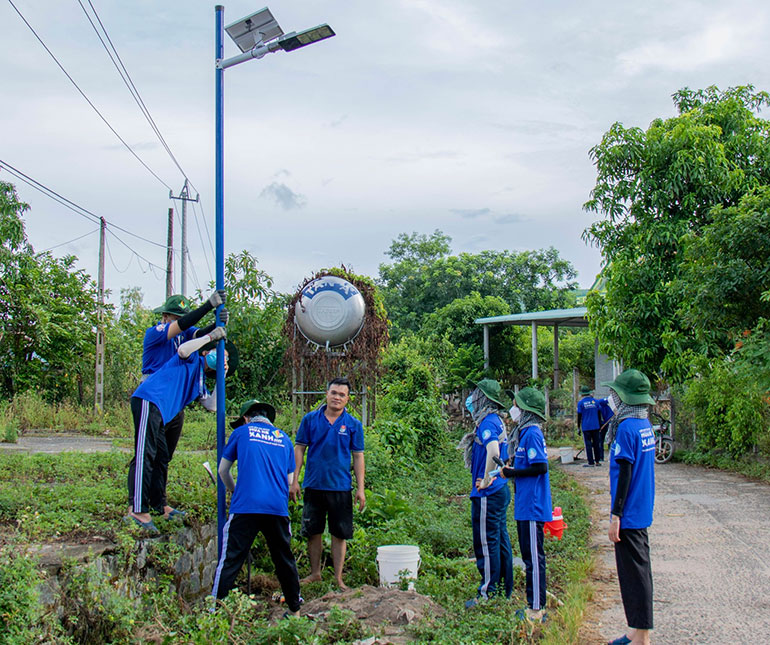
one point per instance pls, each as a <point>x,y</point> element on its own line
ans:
<point>632,496</point>
<point>155,402</point>
<point>532,507</point>
<point>161,342</point>
<point>589,421</point>
<point>330,435</point>
<point>490,497</point>
<point>260,501</point>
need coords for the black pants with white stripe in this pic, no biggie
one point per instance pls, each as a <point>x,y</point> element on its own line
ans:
<point>238,536</point>
<point>532,552</point>
<point>171,431</point>
<point>632,556</point>
<point>149,449</point>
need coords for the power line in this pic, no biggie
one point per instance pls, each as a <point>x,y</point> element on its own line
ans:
<point>82,93</point>
<point>80,237</point>
<point>83,212</point>
<point>138,255</point>
<point>203,246</point>
<point>126,77</point>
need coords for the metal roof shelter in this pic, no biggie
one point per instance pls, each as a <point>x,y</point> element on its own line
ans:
<point>555,318</point>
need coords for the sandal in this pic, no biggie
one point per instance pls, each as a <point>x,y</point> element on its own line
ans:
<point>621,640</point>
<point>147,526</point>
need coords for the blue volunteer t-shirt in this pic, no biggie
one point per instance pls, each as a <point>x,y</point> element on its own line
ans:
<point>490,429</point>
<point>588,407</point>
<point>635,442</point>
<point>605,410</point>
<point>265,457</point>
<point>533,494</point>
<point>328,449</point>
<point>158,348</point>
<point>177,383</point>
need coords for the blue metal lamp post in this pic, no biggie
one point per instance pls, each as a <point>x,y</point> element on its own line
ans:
<point>256,35</point>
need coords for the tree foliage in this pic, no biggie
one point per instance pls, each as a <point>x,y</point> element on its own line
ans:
<point>655,188</point>
<point>47,312</point>
<point>423,277</point>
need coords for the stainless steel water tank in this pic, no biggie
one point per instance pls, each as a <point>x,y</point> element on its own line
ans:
<point>330,310</point>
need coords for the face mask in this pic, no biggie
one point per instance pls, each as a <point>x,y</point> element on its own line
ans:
<point>211,359</point>
<point>469,403</point>
<point>515,413</point>
<point>612,402</point>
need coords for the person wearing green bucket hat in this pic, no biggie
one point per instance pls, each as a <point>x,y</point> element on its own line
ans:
<point>490,500</point>
<point>161,342</point>
<point>532,505</point>
<point>156,401</point>
<point>589,422</point>
<point>632,496</point>
<point>260,501</point>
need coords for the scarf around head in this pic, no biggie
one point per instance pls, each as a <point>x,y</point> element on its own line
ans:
<point>624,411</point>
<point>527,419</point>
<point>482,406</point>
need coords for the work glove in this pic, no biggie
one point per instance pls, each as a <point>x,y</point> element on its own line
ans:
<point>224,316</point>
<point>217,298</point>
<point>218,334</point>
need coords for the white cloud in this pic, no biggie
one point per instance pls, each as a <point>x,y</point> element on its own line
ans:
<point>720,41</point>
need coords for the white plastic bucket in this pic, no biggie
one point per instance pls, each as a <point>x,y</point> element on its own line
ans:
<point>567,455</point>
<point>393,558</point>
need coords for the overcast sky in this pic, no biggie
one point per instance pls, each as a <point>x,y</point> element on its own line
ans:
<point>475,118</point>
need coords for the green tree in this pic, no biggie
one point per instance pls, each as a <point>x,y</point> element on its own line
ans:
<point>257,314</point>
<point>424,277</point>
<point>457,341</point>
<point>47,312</point>
<point>653,187</point>
<point>725,271</point>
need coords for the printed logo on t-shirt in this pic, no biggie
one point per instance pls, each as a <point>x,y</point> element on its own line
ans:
<point>343,429</point>
<point>486,434</point>
<point>265,435</point>
<point>531,453</point>
<point>617,449</point>
<point>160,326</point>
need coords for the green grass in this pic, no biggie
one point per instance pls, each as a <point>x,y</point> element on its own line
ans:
<point>45,497</point>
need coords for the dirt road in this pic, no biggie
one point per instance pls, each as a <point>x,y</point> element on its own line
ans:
<point>710,558</point>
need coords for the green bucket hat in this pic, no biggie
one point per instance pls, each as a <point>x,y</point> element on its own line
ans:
<point>494,392</point>
<point>250,407</point>
<point>233,356</point>
<point>532,400</point>
<point>633,387</point>
<point>175,305</point>
<point>584,389</point>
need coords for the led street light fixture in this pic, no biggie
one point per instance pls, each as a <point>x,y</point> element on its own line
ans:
<point>294,40</point>
<point>254,30</point>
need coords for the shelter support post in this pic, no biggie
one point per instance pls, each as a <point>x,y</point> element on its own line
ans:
<point>555,356</point>
<point>486,347</point>
<point>534,350</point>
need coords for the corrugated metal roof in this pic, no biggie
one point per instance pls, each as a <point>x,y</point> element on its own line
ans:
<point>575,317</point>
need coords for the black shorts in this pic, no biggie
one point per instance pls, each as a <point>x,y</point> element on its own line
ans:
<point>338,504</point>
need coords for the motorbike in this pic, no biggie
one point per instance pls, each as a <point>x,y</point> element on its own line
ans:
<point>664,442</point>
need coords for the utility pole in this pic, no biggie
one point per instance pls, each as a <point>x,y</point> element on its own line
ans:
<point>184,196</point>
<point>99,375</point>
<point>170,254</point>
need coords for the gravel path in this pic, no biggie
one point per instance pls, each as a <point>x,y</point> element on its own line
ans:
<point>710,560</point>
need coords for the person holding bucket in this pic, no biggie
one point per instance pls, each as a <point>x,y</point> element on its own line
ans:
<point>632,495</point>
<point>490,497</point>
<point>532,507</point>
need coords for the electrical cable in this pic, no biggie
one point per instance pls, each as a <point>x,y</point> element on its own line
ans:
<point>200,236</point>
<point>138,255</point>
<point>127,80</point>
<point>83,212</point>
<point>80,237</point>
<point>82,93</point>
<point>112,260</point>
